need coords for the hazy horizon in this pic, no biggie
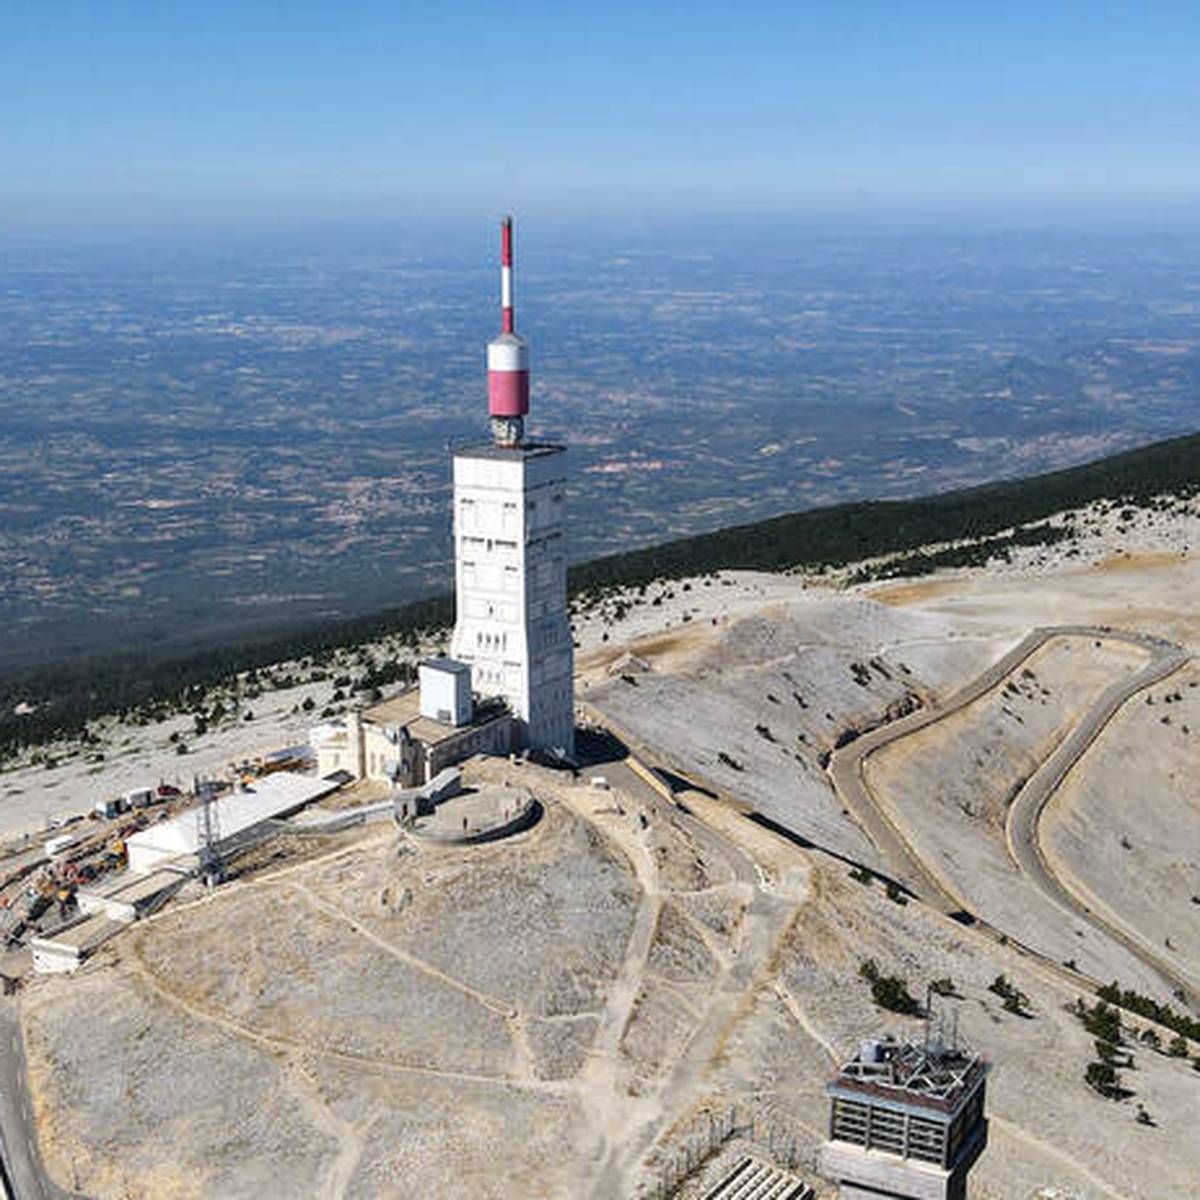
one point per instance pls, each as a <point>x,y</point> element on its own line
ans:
<point>248,268</point>
<point>216,430</point>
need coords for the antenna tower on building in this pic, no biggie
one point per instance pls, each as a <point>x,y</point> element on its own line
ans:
<point>508,358</point>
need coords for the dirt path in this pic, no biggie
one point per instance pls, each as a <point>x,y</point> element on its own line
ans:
<point>765,923</point>
<point>502,1008</point>
<point>350,1138</point>
<point>805,1022</point>
<point>774,894</point>
<point>275,1043</point>
<point>774,859</point>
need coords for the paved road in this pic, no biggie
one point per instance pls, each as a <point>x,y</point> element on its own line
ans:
<point>1021,829</point>
<point>846,771</point>
<point>767,917</point>
<point>17,1138</point>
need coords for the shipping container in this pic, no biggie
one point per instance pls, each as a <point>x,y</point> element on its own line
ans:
<point>57,846</point>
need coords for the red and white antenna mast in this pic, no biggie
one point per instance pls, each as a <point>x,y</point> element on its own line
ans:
<point>506,295</point>
<point>508,358</point>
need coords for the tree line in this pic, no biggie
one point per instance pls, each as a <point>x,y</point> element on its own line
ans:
<point>65,696</point>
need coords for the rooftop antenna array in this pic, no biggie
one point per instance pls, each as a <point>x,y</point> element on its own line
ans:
<point>936,1040</point>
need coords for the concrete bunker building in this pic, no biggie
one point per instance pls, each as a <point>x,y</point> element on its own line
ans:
<point>906,1121</point>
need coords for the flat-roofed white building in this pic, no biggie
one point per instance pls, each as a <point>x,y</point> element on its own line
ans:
<point>275,796</point>
<point>445,686</point>
<point>65,949</point>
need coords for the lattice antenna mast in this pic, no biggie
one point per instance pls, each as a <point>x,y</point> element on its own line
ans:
<point>208,841</point>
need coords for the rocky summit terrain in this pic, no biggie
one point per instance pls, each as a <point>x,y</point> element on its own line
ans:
<point>569,1012</point>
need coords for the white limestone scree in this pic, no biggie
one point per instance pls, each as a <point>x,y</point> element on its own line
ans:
<point>510,549</point>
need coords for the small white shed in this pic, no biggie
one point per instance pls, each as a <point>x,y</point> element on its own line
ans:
<point>446,691</point>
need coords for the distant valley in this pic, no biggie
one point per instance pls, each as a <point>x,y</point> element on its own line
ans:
<point>203,442</point>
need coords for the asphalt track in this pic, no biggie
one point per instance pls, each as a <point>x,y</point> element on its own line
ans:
<point>27,1178</point>
<point>906,864</point>
<point>1024,815</point>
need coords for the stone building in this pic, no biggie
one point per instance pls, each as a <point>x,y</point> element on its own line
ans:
<point>394,742</point>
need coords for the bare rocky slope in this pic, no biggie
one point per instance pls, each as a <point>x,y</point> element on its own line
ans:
<point>549,1016</point>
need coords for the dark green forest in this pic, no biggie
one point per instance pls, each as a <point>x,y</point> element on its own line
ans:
<point>849,533</point>
<point>66,695</point>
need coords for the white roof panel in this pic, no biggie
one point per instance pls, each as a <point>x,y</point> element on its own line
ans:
<point>274,796</point>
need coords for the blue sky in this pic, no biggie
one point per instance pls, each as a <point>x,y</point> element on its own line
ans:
<point>298,107</point>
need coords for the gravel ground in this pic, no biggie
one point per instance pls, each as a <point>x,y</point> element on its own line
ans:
<point>1048,1128</point>
<point>137,1100</point>
<point>377,1021</point>
<point>678,953</point>
<point>756,709</point>
<point>560,1045</point>
<point>382,1021</point>
<point>430,1139</point>
<point>562,909</point>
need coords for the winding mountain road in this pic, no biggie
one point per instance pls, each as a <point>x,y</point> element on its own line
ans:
<point>1024,815</point>
<point>846,770</point>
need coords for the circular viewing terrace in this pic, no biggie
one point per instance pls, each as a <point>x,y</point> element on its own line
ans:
<point>475,815</point>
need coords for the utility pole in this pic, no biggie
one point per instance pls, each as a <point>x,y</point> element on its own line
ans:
<point>208,843</point>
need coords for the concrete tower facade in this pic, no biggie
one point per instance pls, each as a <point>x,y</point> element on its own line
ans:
<point>510,549</point>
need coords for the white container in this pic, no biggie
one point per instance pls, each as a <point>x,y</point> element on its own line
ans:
<point>57,846</point>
